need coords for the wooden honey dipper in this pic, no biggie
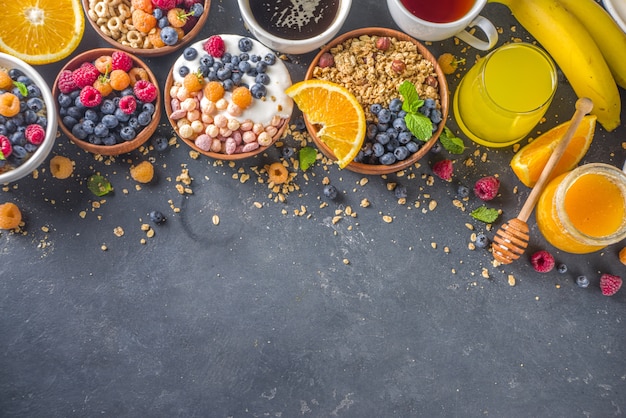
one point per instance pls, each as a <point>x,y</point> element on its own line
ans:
<point>511,239</point>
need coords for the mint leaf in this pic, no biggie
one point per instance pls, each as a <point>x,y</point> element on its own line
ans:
<point>485,214</point>
<point>307,157</point>
<point>452,143</point>
<point>412,101</point>
<point>2,156</point>
<point>421,126</point>
<point>21,87</point>
<point>99,185</point>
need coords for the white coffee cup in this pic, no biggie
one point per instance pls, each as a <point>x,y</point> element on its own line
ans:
<point>290,46</point>
<point>430,31</point>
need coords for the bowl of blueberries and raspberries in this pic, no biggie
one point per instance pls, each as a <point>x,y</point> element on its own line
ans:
<point>28,124</point>
<point>108,101</point>
<point>372,63</point>
<point>149,28</point>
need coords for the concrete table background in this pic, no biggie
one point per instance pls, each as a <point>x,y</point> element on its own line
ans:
<point>260,317</point>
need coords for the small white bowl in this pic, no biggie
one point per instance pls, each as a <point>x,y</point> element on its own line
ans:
<point>35,160</point>
<point>617,9</point>
<point>289,46</point>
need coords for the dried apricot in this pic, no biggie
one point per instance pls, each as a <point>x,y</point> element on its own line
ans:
<point>9,105</point>
<point>136,74</point>
<point>61,167</point>
<point>277,173</point>
<point>5,80</point>
<point>104,64</point>
<point>142,172</point>
<point>142,21</point>
<point>145,5</point>
<point>10,216</point>
<point>242,97</point>
<point>213,90</point>
<point>192,82</point>
<point>119,80</point>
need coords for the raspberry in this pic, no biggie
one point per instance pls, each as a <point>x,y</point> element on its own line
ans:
<point>486,188</point>
<point>165,4</point>
<point>610,284</point>
<point>542,261</point>
<point>128,104</point>
<point>215,46</point>
<point>66,82</point>
<point>443,169</point>
<point>5,146</point>
<point>90,96</point>
<point>145,91</point>
<point>85,75</point>
<point>35,134</point>
<point>120,60</point>
<point>189,24</point>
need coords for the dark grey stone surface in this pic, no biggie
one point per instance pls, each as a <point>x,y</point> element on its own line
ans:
<point>260,317</point>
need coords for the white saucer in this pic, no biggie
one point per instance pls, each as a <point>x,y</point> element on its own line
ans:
<point>617,9</point>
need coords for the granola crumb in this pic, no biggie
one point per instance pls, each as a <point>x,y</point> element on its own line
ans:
<point>511,280</point>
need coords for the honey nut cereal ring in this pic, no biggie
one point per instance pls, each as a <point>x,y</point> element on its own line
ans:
<point>105,30</point>
<point>102,21</point>
<point>100,9</point>
<point>114,24</point>
<point>92,15</point>
<point>134,36</point>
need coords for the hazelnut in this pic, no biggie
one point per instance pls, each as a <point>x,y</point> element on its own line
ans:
<point>326,60</point>
<point>383,43</point>
<point>398,66</point>
<point>431,81</point>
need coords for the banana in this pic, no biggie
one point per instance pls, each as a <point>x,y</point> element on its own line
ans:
<point>575,52</point>
<point>609,38</point>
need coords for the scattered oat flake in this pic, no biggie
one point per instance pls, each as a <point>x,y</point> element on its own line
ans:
<point>103,247</point>
<point>511,280</point>
<point>485,273</point>
<point>364,203</point>
<point>434,245</point>
<point>388,219</point>
<point>118,231</point>
<point>346,261</point>
<point>215,219</point>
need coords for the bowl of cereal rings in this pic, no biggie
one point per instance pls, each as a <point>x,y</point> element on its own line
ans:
<point>225,97</point>
<point>147,27</point>
<point>28,122</point>
<point>385,59</point>
<point>108,101</point>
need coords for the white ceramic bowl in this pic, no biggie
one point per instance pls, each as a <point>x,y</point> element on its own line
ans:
<point>617,9</point>
<point>289,46</point>
<point>35,160</point>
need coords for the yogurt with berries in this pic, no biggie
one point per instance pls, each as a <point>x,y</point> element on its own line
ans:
<point>227,95</point>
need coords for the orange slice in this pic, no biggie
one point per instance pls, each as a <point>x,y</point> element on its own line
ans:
<point>41,31</point>
<point>338,114</point>
<point>529,161</point>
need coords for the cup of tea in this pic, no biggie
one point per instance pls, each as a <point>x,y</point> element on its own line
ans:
<point>584,210</point>
<point>505,94</point>
<point>294,27</point>
<point>430,20</point>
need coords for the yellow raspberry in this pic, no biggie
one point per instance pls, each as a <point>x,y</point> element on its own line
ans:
<point>5,80</point>
<point>61,167</point>
<point>10,216</point>
<point>213,90</point>
<point>622,256</point>
<point>277,173</point>
<point>242,97</point>
<point>448,62</point>
<point>142,172</point>
<point>193,82</point>
<point>119,80</point>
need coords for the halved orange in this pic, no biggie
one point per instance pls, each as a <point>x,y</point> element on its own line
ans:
<point>528,162</point>
<point>336,112</point>
<point>41,31</point>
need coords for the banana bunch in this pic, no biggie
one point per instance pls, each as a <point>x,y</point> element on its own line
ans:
<point>586,44</point>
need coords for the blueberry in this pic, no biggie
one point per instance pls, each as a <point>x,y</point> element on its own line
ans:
<point>78,131</point>
<point>244,66</point>
<point>395,105</point>
<point>88,125</point>
<point>383,138</point>
<point>160,143</point>
<point>148,107</point>
<point>205,70</point>
<point>561,268</point>
<point>109,140</point>
<point>300,125</point>
<point>236,78</point>
<point>400,191</point>
<point>100,130</point>
<point>430,103</point>
<point>436,148</point>
<point>207,60</point>
<point>92,139</point>
<point>109,121</point>
<point>69,121</point>
<point>392,144</point>
<point>330,192</point>
<point>157,217</point>
<point>196,9</point>
<point>435,115</point>
<point>258,91</point>
<point>183,70</point>
<point>254,58</point>
<point>144,118</point>
<point>19,152</point>
<point>223,74</point>
<point>388,158</point>
<point>582,281</point>
<point>261,67</point>
<point>401,153</point>
<point>481,240</point>
<point>18,138</point>
<point>287,152</point>
<point>35,104</point>
<point>378,149</point>
<point>30,117</point>
<point>384,116</point>
<point>462,191</point>
<point>127,133</point>
<point>372,131</point>
<point>164,23</point>
<point>91,115</point>
<point>120,115</point>
<point>269,59</point>
<point>157,13</point>
<point>33,90</point>
<point>107,107</point>
<point>375,109</point>
<point>405,137</point>
<point>262,78</point>
<point>412,146</point>
<point>228,84</point>
<point>133,122</point>
<point>127,92</point>
<point>399,124</point>
<point>226,57</point>
<point>425,111</point>
<point>169,36</point>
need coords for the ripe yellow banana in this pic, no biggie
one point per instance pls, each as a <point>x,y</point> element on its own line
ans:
<point>575,52</point>
<point>608,36</point>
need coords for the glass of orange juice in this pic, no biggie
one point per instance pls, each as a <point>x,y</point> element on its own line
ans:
<point>584,210</point>
<point>505,94</point>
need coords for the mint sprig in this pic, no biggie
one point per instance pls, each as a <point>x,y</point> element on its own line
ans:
<point>452,143</point>
<point>21,87</point>
<point>485,214</point>
<point>99,185</point>
<point>420,125</point>
<point>307,157</point>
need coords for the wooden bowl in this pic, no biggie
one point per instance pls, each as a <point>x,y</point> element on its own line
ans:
<point>149,52</point>
<point>221,155</point>
<point>123,147</point>
<point>379,169</point>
